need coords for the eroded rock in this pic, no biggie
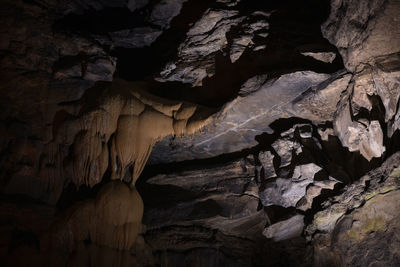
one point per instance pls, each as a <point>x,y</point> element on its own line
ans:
<point>236,125</point>
<point>327,57</point>
<point>363,30</point>
<point>196,53</point>
<point>287,192</point>
<point>287,229</point>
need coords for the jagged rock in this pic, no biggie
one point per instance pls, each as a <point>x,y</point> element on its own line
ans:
<point>325,133</point>
<point>253,84</point>
<point>236,125</point>
<point>379,181</point>
<point>319,104</point>
<point>327,57</point>
<point>287,229</point>
<point>363,89</point>
<point>284,148</point>
<point>287,192</point>
<point>363,30</point>
<point>314,191</point>
<point>385,76</point>
<point>361,220</point>
<point>95,69</point>
<point>196,53</point>
<point>266,159</point>
<point>245,40</point>
<point>358,136</point>
<point>239,45</point>
<point>394,125</point>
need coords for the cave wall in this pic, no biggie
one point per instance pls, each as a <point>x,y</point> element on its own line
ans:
<point>200,133</point>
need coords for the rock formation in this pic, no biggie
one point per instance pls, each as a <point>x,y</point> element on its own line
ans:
<point>200,133</point>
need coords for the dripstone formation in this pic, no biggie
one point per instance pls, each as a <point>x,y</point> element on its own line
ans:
<point>200,133</point>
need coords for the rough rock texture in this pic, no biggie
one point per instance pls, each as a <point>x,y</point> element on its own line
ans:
<point>363,30</point>
<point>268,145</point>
<point>248,116</point>
<point>90,139</point>
<point>196,54</point>
<point>361,226</point>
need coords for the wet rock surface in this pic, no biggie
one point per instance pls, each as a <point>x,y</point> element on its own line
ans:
<point>199,133</point>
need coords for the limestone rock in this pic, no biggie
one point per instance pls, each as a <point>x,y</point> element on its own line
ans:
<point>363,30</point>
<point>385,76</point>
<point>248,31</point>
<point>326,57</point>
<point>287,192</point>
<point>267,165</point>
<point>379,181</point>
<point>362,219</point>
<point>223,197</point>
<point>236,125</point>
<point>283,230</point>
<point>314,191</point>
<point>284,148</point>
<point>196,53</point>
<point>319,104</point>
<point>368,139</point>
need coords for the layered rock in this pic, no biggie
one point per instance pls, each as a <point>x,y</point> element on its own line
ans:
<point>365,215</point>
<point>241,120</point>
<point>196,54</point>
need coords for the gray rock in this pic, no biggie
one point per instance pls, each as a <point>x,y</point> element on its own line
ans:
<point>287,192</point>
<point>266,159</point>
<point>196,53</point>
<point>378,181</point>
<point>236,125</point>
<point>385,75</point>
<point>237,174</point>
<point>358,136</point>
<point>239,44</point>
<point>315,190</point>
<point>363,30</point>
<point>327,57</point>
<point>287,229</point>
<point>284,148</point>
<point>319,103</point>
